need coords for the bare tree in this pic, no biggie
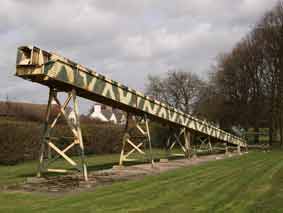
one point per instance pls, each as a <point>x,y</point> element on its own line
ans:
<point>178,88</point>
<point>249,79</point>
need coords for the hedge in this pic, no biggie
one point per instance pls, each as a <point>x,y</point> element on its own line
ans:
<point>20,141</point>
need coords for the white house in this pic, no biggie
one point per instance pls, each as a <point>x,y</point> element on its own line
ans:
<point>97,114</point>
<point>72,117</point>
<point>107,114</point>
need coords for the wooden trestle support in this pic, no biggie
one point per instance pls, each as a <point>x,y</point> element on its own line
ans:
<point>228,148</point>
<point>141,123</point>
<point>205,144</point>
<point>175,138</point>
<point>49,151</point>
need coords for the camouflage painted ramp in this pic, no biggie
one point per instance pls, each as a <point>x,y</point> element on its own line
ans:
<point>58,72</point>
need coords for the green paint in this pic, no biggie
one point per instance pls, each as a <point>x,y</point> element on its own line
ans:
<point>62,74</point>
<point>66,70</point>
<point>47,67</point>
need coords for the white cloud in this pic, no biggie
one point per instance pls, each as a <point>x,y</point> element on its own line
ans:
<point>124,39</point>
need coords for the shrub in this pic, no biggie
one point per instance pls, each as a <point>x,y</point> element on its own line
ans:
<point>20,140</point>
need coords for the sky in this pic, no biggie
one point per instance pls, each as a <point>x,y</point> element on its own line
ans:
<point>125,40</point>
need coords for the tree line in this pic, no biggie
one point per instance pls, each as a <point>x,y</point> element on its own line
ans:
<point>244,89</point>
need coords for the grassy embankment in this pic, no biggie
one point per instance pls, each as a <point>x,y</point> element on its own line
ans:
<point>248,183</point>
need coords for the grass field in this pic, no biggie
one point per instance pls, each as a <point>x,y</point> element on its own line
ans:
<point>247,183</point>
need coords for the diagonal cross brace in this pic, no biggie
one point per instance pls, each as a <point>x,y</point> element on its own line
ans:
<point>175,138</point>
<point>75,129</point>
<point>136,147</point>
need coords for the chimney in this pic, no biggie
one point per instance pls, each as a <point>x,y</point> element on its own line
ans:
<point>97,108</point>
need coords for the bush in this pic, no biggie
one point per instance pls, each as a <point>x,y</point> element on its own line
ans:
<point>102,138</point>
<point>20,140</point>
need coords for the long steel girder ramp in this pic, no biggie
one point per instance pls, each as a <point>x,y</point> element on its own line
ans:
<point>63,74</point>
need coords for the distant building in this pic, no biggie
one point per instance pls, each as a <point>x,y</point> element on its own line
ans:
<point>97,114</point>
<point>107,114</point>
<point>72,117</point>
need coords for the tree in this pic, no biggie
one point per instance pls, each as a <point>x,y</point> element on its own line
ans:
<point>178,89</point>
<point>249,79</point>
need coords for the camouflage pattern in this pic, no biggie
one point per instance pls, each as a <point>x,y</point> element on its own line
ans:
<point>55,71</point>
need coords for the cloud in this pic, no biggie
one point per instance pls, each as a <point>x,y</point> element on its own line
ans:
<point>124,39</point>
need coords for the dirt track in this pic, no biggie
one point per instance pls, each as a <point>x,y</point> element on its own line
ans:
<point>75,183</point>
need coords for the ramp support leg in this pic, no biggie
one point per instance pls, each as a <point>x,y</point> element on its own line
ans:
<point>124,140</point>
<point>175,138</point>
<point>45,132</point>
<point>209,144</point>
<point>142,125</point>
<point>187,138</point>
<point>205,144</point>
<point>48,143</point>
<point>226,149</point>
<point>239,149</point>
<point>149,140</point>
<point>79,134</point>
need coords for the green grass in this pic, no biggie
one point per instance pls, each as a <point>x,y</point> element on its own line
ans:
<point>18,173</point>
<point>248,183</point>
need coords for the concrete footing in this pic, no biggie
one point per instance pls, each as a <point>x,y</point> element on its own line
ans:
<point>164,160</point>
<point>35,180</point>
<point>118,167</point>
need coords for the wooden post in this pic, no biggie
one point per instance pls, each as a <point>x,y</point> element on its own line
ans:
<point>226,149</point>
<point>187,138</point>
<point>52,92</point>
<point>79,134</point>
<point>239,149</point>
<point>167,148</point>
<point>149,140</point>
<point>124,140</point>
<point>209,144</point>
